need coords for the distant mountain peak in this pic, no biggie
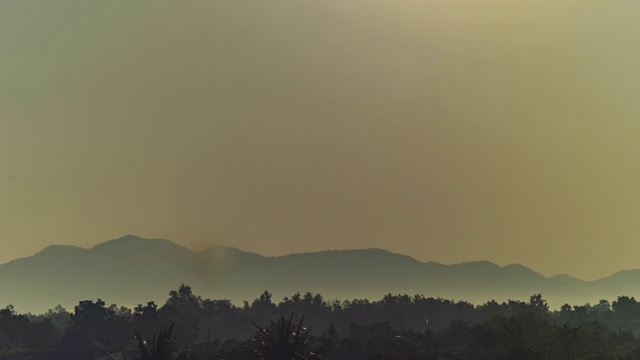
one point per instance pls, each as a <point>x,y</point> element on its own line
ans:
<point>566,278</point>
<point>354,256</point>
<point>126,238</point>
<point>132,240</point>
<point>482,263</point>
<point>517,266</point>
<point>523,269</point>
<point>223,250</point>
<point>58,249</point>
<point>347,251</point>
<point>130,237</point>
<point>227,248</point>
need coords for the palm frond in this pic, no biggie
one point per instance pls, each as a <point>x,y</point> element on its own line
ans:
<point>282,339</point>
<point>162,346</point>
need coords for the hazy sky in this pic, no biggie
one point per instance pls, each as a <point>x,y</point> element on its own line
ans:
<point>505,130</point>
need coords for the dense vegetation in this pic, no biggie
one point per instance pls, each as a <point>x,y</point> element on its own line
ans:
<point>308,326</point>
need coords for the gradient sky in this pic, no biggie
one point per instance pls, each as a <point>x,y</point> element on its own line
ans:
<point>505,130</point>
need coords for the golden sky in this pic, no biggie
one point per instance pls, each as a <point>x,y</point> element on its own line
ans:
<point>500,130</point>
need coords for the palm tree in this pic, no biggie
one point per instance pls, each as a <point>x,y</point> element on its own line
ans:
<point>283,340</point>
<point>163,346</point>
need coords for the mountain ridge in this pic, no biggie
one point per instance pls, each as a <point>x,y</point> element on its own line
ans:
<point>131,270</point>
<point>130,237</point>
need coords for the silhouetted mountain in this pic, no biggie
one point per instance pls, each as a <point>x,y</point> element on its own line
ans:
<point>132,270</point>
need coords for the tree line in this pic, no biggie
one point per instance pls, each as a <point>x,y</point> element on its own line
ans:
<point>395,324</point>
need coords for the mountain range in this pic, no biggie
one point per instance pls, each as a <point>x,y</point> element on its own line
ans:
<point>132,270</point>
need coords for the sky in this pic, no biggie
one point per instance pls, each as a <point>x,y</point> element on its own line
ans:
<point>450,131</point>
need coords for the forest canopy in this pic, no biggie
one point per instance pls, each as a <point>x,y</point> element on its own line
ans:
<point>217,328</point>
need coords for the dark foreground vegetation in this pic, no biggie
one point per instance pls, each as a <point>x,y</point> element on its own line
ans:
<point>310,327</point>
